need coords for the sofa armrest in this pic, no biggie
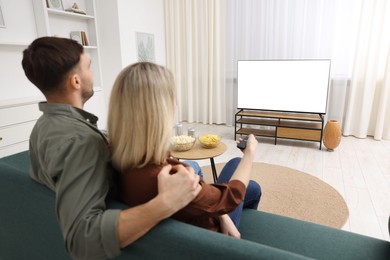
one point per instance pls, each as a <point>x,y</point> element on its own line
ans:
<point>172,239</point>
<point>310,239</point>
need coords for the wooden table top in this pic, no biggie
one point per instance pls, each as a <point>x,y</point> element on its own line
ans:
<point>198,152</point>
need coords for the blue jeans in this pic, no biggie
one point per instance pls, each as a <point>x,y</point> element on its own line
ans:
<point>253,191</point>
<point>196,167</point>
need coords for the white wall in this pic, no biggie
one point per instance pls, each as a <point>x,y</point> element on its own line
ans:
<point>20,23</point>
<point>141,16</point>
<point>118,22</point>
<point>108,37</point>
<point>20,30</point>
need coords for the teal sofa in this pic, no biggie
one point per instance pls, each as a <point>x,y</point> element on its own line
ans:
<point>29,230</point>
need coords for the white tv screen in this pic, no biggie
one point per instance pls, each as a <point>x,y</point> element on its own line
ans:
<point>283,85</point>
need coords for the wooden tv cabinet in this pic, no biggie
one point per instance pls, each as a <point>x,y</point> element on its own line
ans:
<point>297,126</point>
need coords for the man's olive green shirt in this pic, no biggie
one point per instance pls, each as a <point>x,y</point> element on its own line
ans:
<point>71,156</point>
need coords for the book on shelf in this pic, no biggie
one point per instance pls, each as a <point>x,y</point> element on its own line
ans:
<point>80,37</point>
<point>84,38</point>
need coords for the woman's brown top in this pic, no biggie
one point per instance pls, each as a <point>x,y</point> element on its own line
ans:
<point>139,185</point>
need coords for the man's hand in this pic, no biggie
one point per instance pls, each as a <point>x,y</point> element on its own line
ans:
<point>228,227</point>
<point>174,193</point>
<point>179,189</point>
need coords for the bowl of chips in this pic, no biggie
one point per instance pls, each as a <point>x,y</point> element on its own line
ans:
<point>181,143</point>
<point>209,140</point>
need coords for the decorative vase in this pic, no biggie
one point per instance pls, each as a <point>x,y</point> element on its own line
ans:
<point>332,134</point>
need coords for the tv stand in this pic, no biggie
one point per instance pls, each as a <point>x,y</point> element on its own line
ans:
<point>284,125</point>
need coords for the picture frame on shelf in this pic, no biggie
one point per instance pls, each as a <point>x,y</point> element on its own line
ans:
<point>145,47</point>
<point>76,35</point>
<point>2,22</point>
<point>80,37</point>
<point>55,4</point>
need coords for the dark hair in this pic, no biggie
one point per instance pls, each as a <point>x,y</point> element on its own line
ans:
<point>48,60</point>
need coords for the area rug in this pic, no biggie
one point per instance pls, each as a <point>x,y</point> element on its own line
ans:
<point>295,194</point>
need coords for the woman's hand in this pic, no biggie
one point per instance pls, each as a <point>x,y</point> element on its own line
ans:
<point>251,144</point>
<point>227,226</point>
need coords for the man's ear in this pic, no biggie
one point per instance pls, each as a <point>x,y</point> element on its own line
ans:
<point>75,81</point>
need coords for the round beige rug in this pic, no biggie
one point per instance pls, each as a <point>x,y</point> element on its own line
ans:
<point>295,194</point>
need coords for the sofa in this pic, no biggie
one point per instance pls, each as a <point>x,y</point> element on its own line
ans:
<point>29,230</point>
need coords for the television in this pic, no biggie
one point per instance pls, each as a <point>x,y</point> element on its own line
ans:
<point>299,86</point>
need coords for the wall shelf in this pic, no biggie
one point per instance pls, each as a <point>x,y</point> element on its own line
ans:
<point>14,44</point>
<point>69,14</point>
<point>280,125</point>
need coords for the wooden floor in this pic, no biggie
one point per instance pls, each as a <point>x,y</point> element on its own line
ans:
<point>359,169</point>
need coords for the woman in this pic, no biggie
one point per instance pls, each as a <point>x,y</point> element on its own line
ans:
<point>141,114</point>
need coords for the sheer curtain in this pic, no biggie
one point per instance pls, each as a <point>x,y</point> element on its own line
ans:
<point>283,29</point>
<point>205,38</point>
<point>368,108</point>
<point>195,36</point>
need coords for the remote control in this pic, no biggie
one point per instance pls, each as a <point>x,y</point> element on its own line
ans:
<point>242,144</point>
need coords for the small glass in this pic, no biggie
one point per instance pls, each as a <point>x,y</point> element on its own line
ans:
<point>191,132</point>
<point>179,129</point>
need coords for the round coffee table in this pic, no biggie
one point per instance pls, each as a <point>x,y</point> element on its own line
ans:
<point>199,153</point>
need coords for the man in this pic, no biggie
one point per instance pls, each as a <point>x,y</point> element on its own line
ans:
<point>71,156</point>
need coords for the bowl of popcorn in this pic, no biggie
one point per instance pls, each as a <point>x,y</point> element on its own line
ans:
<point>182,143</point>
<point>209,140</point>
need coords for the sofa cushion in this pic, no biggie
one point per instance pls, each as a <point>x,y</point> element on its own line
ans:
<point>29,229</point>
<point>311,240</point>
<point>19,161</point>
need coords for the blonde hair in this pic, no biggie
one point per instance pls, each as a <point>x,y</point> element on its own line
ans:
<point>140,118</point>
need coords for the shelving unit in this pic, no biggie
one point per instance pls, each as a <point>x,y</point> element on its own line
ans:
<point>19,111</point>
<point>53,22</point>
<point>15,130</point>
<point>283,125</point>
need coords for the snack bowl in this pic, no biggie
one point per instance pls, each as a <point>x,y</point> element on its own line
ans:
<point>181,143</point>
<point>209,140</point>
